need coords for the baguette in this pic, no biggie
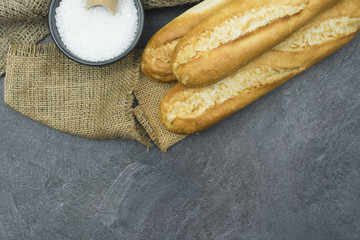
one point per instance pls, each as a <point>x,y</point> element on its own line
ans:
<point>188,111</point>
<point>236,34</point>
<point>156,58</point>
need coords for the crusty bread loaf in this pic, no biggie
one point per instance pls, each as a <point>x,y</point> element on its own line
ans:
<point>156,58</point>
<point>236,34</point>
<point>185,110</point>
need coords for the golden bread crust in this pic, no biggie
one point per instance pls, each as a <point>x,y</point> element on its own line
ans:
<point>182,112</point>
<point>156,58</point>
<point>261,26</point>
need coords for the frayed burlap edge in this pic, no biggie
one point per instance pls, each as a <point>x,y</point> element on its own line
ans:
<point>149,95</point>
<point>141,117</point>
<point>150,4</point>
<point>4,47</point>
<point>21,99</point>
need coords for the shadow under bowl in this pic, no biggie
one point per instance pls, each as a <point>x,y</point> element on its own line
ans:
<point>59,43</point>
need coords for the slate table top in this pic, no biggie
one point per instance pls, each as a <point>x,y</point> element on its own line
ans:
<point>287,167</point>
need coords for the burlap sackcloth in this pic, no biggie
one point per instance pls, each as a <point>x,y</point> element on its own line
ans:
<point>92,102</point>
<point>25,21</point>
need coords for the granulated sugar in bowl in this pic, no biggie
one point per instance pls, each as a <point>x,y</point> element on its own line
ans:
<point>96,35</point>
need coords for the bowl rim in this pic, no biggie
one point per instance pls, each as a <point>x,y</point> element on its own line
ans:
<point>58,42</point>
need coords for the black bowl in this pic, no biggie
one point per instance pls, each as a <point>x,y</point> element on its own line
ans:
<point>57,39</point>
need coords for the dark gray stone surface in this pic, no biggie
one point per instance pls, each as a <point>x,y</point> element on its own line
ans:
<point>287,167</point>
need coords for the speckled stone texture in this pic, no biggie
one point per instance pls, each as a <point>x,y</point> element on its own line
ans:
<point>287,167</point>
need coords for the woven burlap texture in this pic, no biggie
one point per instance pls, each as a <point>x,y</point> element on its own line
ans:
<point>44,85</point>
<point>93,102</point>
<point>22,22</point>
<point>25,21</point>
<point>149,94</point>
<point>166,3</point>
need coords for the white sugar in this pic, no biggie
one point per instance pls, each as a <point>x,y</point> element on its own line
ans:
<point>95,34</point>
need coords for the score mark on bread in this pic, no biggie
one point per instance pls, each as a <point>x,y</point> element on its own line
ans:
<point>156,59</point>
<point>316,34</point>
<point>196,101</point>
<point>233,28</point>
<point>191,104</point>
<point>236,35</point>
